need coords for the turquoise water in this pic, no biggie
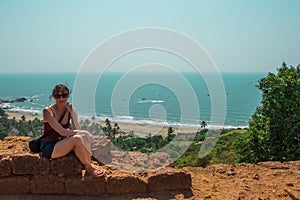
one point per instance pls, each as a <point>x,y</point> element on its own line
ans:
<point>150,102</point>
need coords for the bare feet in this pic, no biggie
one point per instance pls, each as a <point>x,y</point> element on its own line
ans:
<point>95,170</point>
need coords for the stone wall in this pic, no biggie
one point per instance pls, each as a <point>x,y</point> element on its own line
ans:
<point>32,174</point>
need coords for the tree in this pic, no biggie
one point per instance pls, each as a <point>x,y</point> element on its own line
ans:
<point>169,136</point>
<point>203,124</point>
<point>2,113</point>
<point>116,126</point>
<point>155,140</point>
<point>107,128</point>
<point>274,131</point>
<point>115,130</point>
<point>149,140</point>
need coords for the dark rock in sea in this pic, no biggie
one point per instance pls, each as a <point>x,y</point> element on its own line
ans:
<point>4,101</point>
<point>22,99</point>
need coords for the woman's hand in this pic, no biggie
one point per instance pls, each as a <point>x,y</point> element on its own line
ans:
<point>69,107</point>
<point>86,134</point>
<point>74,115</point>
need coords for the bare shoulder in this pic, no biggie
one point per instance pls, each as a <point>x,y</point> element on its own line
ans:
<point>47,111</point>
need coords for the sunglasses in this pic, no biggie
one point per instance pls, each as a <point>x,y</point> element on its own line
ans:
<point>57,96</point>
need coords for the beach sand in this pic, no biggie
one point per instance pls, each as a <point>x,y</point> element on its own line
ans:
<point>18,116</point>
<point>139,130</point>
<point>143,130</point>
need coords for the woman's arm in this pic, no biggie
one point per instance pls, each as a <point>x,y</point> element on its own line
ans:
<point>48,117</point>
<point>74,116</point>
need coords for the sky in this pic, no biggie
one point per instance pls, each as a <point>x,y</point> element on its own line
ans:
<point>238,35</point>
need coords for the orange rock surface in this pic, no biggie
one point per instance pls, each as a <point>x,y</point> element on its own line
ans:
<point>267,180</point>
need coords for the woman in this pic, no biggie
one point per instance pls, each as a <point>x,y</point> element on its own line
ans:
<point>59,139</point>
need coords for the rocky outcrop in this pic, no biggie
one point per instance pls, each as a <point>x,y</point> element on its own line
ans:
<point>137,162</point>
<point>27,173</point>
<point>32,174</point>
<point>128,161</point>
<point>266,180</point>
<point>101,149</point>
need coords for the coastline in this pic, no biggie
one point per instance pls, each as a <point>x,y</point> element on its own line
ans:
<point>137,129</point>
<point>140,130</point>
<point>241,101</point>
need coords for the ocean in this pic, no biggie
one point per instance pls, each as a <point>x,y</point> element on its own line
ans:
<point>143,98</point>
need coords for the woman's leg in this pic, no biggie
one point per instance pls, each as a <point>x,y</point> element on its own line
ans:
<point>75,143</point>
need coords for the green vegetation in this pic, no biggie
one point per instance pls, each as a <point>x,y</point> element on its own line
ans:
<point>20,127</point>
<point>191,156</point>
<point>127,141</point>
<point>275,126</point>
<point>223,152</point>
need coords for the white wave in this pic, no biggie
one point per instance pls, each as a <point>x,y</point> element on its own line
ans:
<point>133,121</point>
<point>25,111</point>
<point>124,117</point>
<point>216,127</point>
<point>150,101</point>
<point>6,106</point>
<point>36,96</point>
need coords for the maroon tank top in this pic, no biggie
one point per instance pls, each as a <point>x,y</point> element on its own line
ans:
<point>52,135</point>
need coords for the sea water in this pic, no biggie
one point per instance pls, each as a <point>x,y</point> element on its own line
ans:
<point>127,98</point>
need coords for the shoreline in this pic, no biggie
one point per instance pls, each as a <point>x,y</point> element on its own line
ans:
<point>138,129</point>
<point>141,130</point>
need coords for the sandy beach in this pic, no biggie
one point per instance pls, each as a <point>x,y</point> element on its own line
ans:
<point>139,130</point>
<point>18,116</point>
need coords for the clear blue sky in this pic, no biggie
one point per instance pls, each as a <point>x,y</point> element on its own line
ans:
<point>57,35</point>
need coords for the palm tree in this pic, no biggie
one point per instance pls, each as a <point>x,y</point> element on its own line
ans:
<point>116,126</point>
<point>203,124</point>
<point>108,128</point>
<point>170,131</point>
<point>150,140</point>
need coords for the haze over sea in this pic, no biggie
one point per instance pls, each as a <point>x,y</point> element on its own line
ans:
<point>150,103</point>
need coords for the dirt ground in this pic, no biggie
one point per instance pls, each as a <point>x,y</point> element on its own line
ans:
<point>268,180</point>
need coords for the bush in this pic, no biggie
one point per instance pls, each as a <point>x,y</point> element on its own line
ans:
<point>275,126</point>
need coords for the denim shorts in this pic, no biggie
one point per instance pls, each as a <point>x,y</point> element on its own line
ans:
<point>47,148</point>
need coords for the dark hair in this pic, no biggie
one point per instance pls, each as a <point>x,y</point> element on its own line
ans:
<point>60,88</point>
